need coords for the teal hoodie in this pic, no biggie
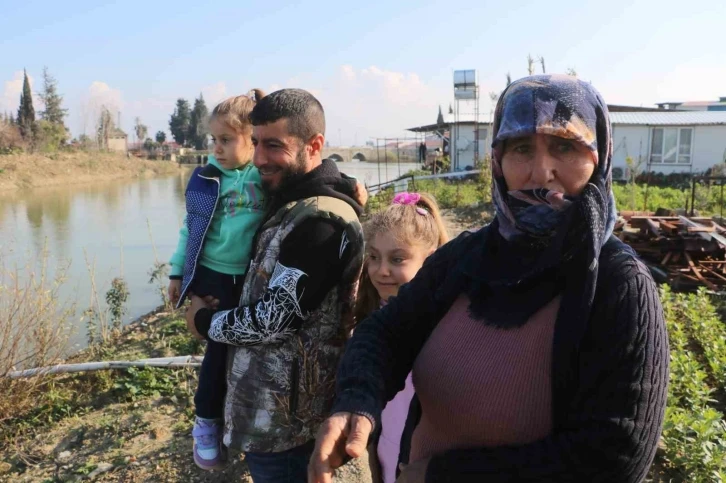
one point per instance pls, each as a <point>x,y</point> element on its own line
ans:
<point>240,209</point>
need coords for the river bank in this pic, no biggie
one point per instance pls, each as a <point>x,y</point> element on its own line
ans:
<point>26,171</point>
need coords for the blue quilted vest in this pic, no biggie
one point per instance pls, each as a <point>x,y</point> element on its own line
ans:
<point>202,195</point>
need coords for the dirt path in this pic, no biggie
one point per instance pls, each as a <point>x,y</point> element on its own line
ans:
<point>467,218</point>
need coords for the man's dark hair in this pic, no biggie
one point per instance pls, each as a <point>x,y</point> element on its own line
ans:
<point>304,113</point>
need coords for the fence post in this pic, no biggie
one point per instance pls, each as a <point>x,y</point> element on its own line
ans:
<point>693,195</point>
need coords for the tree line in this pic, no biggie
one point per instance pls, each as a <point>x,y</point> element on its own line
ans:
<point>46,130</point>
<point>189,126</point>
<point>25,130</point>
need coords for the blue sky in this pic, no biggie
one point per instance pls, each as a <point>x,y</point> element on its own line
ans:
<point>377,66</point>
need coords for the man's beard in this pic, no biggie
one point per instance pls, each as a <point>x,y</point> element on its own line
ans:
<point>290,175</point>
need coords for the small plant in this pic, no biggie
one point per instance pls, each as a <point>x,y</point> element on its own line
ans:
<point>93,326</point>
<point>159,272</point>
<point>484,180</point>
<point>116,298</point>
<point>86,468</point>
<point>158,275</point>
<point>148,381</point>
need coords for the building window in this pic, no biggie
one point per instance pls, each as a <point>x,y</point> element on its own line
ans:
<point>671,145</point>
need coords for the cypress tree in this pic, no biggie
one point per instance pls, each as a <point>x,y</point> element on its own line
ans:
<point>26,113</point>
<point>198,129</point>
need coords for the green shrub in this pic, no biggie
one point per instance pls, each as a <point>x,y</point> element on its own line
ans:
<point>633,197</point>
<point>694,433</point>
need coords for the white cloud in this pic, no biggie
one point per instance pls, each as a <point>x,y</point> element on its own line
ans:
<point>214,94</point>
<point>364,103</point>
<point>98,95</point>
<point>348,72</point>
<point>101,94</point>
<point>373,102</point>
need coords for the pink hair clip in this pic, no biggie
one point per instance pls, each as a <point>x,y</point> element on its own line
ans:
<point>406,198</point>
<point>409,199</point>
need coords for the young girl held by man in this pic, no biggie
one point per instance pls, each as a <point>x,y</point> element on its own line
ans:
<point>225,205</point>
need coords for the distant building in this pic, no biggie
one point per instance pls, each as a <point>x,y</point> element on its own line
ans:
<point>668,141</point>
<point>719,105</point>
<point>118,141</point>
<point>459,138</point>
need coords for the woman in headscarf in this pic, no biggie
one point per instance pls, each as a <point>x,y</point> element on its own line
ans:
<point>537,344</point>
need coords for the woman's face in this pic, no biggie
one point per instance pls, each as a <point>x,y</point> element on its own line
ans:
<point>392,264</point>
<point>545,161</point>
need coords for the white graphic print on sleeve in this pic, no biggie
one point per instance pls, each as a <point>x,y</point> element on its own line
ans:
<point>273,315</point>
<point>343,245</point>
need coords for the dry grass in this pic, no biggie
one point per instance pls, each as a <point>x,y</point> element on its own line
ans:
<point>22,171</point>
<point>34,331</point>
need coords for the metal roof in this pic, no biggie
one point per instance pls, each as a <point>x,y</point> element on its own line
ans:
<point>670,118</point>
<point>450,119</point>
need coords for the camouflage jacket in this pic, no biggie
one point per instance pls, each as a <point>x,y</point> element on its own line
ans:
<point>280,375</point>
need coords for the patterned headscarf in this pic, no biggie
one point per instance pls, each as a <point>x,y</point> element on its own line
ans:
<point>545,235</point>
<point>569,108</point>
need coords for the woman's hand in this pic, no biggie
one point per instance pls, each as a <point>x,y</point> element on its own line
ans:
<point>414,472</point>
<point>340,434</point>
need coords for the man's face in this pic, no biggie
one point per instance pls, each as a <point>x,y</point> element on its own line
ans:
<point>280,157</point>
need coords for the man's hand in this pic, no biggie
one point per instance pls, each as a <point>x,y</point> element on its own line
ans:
<point>208,302</point>
<point>174,291</point>
<point>341,433</point>
<point>361,194</point>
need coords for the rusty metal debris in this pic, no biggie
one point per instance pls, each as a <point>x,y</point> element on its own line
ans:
<point>686,252</point>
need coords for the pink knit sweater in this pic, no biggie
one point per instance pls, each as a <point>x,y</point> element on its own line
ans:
<point>480,385</point>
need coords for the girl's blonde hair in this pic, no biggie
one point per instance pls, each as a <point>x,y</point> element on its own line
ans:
<point>418,223</point>
<point>235,111</point>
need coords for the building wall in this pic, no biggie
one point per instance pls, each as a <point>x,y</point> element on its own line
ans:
<point>633,141</point>
<point>462,145</point>
<point>117,144</point>
<point>709,146</point>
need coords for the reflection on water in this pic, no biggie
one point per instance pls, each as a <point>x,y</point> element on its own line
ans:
<point>105,225</point>
<point>102,225</point>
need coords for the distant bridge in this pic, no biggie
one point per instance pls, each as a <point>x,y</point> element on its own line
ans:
<point>391,154</point>
<point>343,154</point>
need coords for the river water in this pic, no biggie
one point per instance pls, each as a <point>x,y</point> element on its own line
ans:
<point>117,228</point>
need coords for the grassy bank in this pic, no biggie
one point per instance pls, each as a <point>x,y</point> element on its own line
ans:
<point>119,425</point>
<point>133,424</point>
<point>23,171</point>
